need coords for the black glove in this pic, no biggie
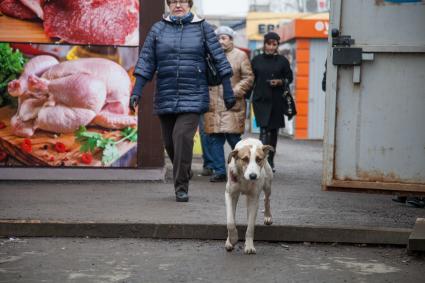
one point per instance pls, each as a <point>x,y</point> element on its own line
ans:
<point>137,92</point>
<point>228,95</point>
<point>134,102</point>
<point>229,103</point>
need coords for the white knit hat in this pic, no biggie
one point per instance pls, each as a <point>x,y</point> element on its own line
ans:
<point>225,30</point>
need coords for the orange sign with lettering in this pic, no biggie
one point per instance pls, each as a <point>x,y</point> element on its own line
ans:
<point>304,28</point>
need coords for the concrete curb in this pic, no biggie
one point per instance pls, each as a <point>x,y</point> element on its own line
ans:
<point>417,237</point>
<point>82,175</point>
<point>274,233</point>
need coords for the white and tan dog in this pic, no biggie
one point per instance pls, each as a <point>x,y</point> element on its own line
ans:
<point>249,173</point>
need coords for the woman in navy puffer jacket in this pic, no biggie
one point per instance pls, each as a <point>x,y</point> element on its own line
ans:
<point>175,49</point>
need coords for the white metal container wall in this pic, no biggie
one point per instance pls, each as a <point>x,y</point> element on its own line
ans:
<point>374,130</point>
<point>316,100</point>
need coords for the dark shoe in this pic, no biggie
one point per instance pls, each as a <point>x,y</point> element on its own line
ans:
<point>182,196</point>
<point>206,171</point>
<point>415,202</point>
<point>399,199</point>
<point>218,178</point>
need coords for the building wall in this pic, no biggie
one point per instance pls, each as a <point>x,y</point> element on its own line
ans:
<point>240,39</point>
<point>238,24</point>
<point>282,6</point>
<point>197,7</point>
<point>316,101</point>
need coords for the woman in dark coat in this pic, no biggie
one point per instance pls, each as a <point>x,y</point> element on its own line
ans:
<point>175,50</point>
<point>272,71</point>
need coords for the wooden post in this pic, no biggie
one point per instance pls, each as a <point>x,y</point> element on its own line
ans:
<point>151,150</point>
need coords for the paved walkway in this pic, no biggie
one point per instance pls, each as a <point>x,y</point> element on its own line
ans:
<point>297,199</point>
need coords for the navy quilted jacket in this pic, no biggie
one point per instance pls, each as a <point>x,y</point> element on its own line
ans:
<point>176,52</point>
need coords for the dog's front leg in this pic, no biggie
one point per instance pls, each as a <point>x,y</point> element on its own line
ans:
<point>267,211</point>
<point>252,209</point>
<point>232,232</point>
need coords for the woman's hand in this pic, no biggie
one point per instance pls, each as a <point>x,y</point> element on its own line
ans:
<point>134,102</point>
<point>275,83</point>
<point>136,93</point>
<point>228,95</point>
<point>229,103</point>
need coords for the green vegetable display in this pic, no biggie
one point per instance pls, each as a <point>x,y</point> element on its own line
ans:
<point>11,66</point>
<point>90,141</point>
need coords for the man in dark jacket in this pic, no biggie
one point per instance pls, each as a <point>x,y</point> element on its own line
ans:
<point>175,50</point>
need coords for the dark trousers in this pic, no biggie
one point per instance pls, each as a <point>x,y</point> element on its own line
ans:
<point>269,137</point>
<point>217,149</point>
<point>178,131</point>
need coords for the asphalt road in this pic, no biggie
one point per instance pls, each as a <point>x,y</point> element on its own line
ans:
<point>145,260</point>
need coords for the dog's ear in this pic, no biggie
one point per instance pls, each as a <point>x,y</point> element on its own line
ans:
<point>267,149</point>
<point>233,153</point>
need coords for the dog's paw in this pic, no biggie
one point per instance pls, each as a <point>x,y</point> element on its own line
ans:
<point>229,247</point>
<point>268,220</point>
<point>250,250</point>
<point>233,236</point>
<point>249,246</point>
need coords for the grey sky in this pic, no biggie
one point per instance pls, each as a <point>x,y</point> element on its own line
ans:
<point>225,7</point>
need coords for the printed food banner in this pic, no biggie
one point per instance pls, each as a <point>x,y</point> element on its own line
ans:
<point>91,22</point>
<point>67,106</point>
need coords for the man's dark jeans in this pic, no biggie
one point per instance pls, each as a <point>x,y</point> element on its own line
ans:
<point>217,150</point>
<point>206,145</point>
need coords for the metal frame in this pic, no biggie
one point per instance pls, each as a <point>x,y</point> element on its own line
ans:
<point>330,104</point>
<point>377,187</point>
<point>150,150</point>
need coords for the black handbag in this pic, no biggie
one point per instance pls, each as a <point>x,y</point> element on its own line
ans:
<point>289,107</point>
<point>213,77</point>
